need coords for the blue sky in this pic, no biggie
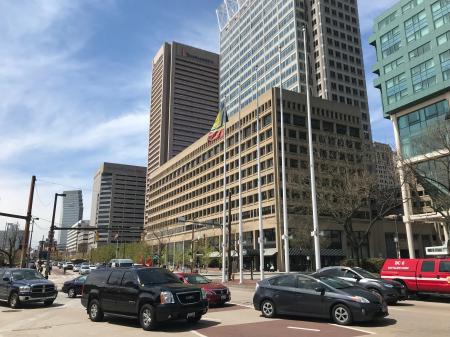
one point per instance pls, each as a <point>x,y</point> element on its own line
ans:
<point>75,87</point>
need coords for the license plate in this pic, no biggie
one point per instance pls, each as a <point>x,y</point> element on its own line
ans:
<point>223,297</point>
<point>191,315</point>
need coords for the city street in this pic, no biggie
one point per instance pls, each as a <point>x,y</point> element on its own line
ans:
<point>68,318</point>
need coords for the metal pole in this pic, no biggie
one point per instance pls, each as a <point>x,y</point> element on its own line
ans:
<point>241,243</point>
<point>258,157</point>
<point>230,264</point>
<point>50,237</point>
<point>31,239</point>
<point>23,254</point>
<point>285,236</point>
<point>182,268</point>
<point>192,248</point>
<point>224,218</point>
<point>397,244</point>
<point>311,162</point>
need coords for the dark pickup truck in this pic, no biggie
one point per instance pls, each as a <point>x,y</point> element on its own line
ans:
<point>25,285</point>
<point>151,294</point>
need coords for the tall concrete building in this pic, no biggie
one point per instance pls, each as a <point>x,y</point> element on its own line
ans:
<point>184,99</point>
<point>72,212</point>
<point>251,32</point>
<point>384,166</point>
<point>118,203</point>
<point>77,239</point>
<point>413,63</point>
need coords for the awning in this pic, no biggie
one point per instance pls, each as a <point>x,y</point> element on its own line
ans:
<point>310,252</point>
<point>270,251</point>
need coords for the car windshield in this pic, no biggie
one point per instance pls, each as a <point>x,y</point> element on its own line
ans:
<point>156,276</point>
<point>126,264</point>
<point>84,267</point>
<point>26,275</point>
<point>335,283</point>
<point>196,279</point>
<point>364,273</point>
<point>82,278</point>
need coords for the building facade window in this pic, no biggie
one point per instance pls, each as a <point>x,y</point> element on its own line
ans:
<point>441,13</point>
<point>445,64</point>
<point>441,39</point>
<point>391,42</point>
<point>410,5</point>
<point>416,27</point>
<point>396,88</point>
<point>393,65</point>
<point>413,127</point>
<point>423,75</point>
<point>420,50</point>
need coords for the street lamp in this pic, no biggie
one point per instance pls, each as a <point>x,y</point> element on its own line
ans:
<point>51,234</point>
<point>396,217</point>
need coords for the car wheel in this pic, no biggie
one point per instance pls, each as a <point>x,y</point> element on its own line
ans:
<point>376,292</point>
<point>95,312</point>
<point>14,301</point>
<point>72,293</point>
<point>268,309</point>
<point>194,319</point>
<point>341,314</point>
<point>48,303</point>
<point>147,317</point>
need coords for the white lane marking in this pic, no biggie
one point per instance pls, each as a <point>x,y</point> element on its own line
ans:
<point>198,333</point>
<point>351,328</point>
<point>242,305</point>
<point>299,328</point>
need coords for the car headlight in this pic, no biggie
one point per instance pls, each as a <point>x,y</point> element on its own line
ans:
<point>359,299</point>
<point>204,293</point>
<point>25,289</point>
<point>387,285</point>
<point>166,297</point>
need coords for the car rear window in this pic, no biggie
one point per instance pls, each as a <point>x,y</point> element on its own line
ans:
<point>444,266</point>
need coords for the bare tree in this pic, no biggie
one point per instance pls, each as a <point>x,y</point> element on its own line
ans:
<point>345,194</point>
<point>428,167</point>
<point>12,247</point>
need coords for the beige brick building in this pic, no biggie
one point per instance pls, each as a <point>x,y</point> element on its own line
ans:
<point>190,185</point>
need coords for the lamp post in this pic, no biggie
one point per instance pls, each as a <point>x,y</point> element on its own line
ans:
<point>51,234</point>
<point>396,217</point>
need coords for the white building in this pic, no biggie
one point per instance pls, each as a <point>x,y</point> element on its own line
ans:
<point>77,239</point>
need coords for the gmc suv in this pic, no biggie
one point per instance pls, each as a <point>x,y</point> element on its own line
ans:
<point>25,285</point>
<point>151,294</point>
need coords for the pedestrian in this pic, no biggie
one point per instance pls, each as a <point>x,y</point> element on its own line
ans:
<point>272,267</point>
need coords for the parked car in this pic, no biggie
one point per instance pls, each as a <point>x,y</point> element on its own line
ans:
<point>74,287</point>
<point>18,286</point>
<point>115,263</point>
<point>419,275</point>
<point>391,291</point>
<point>92,267</point>
<point>76,268</point>
<point>325,297</point>
<point>84,269</point>
<point>151,294</point>
<point>60,264</point>
<point>68,265</point>
<point>216,293</point>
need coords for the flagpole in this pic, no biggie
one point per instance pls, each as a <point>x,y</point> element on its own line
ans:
<point>285,236</point>
<point>311,161</point>
<point>224,218</point>
<point>258,156</point>
<point>241,243</point>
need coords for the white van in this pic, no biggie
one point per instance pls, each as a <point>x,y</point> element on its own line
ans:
<point>115,263</point>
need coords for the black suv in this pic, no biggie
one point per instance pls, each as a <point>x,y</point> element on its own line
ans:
<point>25,285</point>
<point>151,294</point>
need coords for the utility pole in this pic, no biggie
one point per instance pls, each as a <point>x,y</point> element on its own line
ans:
<point>229,237</point>
<point>192,248</point>
<point>23,254</point>
<point>51,234</point>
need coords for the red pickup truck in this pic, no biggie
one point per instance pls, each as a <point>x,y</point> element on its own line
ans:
<point>419,275</point>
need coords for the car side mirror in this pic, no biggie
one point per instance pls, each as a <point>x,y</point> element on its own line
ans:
<point>6,279</point>
<point>320,290</point>
<point>356,277</point>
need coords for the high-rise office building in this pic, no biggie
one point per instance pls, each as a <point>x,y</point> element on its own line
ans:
<point>118,203</point>
<point>184,99</point>
<point>413,64</point>
<point>72,212</point>
<point>384,166</point>
<point>251,32</point>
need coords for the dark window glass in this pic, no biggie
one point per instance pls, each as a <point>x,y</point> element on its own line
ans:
<point>307,283</point>
<point>285,281</point>
<point>129,278</point>
<point>428,266</point>
<point>115,277</point>
<point>157,276</point>
<point>444,266</point>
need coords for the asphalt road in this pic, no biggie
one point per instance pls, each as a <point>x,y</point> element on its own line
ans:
<point>68,318</point>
